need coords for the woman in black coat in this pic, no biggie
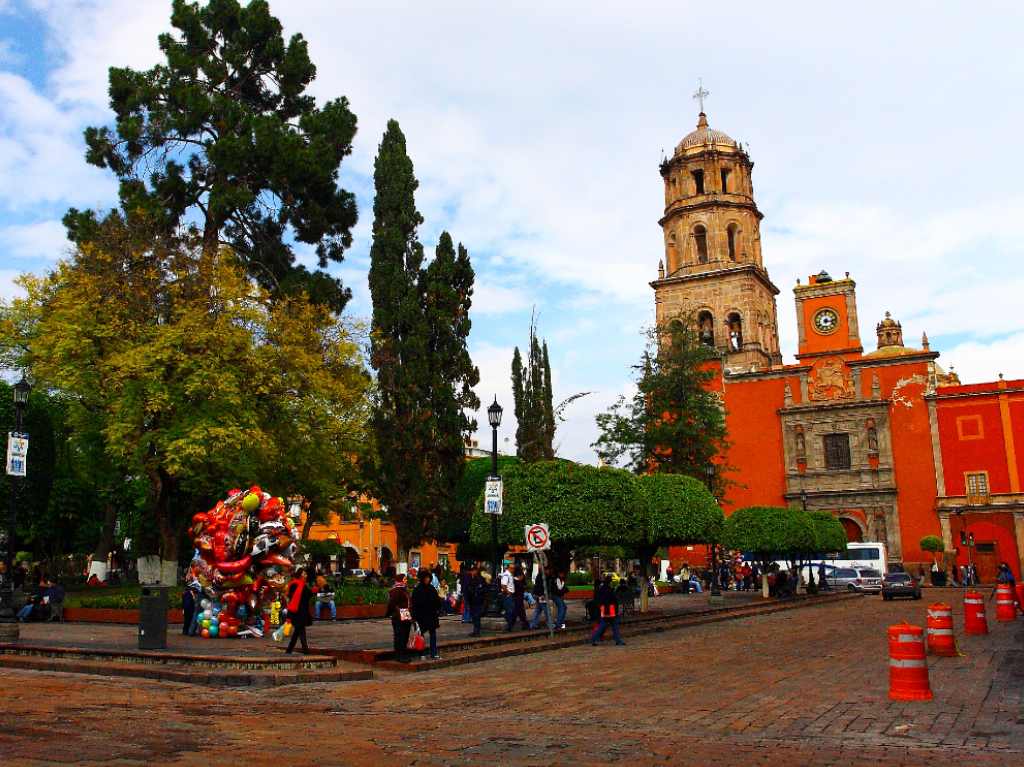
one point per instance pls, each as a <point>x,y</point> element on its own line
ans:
<point>300,598</point>
<point>426,604</point>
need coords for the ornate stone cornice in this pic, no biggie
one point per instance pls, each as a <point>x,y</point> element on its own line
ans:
<point>710,200</point>
<point>756,271</point>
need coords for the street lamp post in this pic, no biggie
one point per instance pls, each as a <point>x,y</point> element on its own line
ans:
<point>716,592</point>
<point>7,609</point>
<point>494,419</point>
<point>810,568</point>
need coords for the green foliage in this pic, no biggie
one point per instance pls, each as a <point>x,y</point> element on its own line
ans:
<point>188,375</point>
<point>579,578</point>
<point>531,394</point>
<point>320,549</point>
<point>224,133</point>
<point>455,526</point>
<point>673,424</point>
<point>581,504</point>
<point>932,543</point>
<point>116,598</point>
<point>769,531</point>
<point>418,340</point>
<point>678,509</point>
<point>828,532</point>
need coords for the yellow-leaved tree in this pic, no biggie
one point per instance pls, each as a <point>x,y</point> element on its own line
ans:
<point>191,374</point>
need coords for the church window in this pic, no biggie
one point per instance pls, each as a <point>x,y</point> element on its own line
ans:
<point>706,325</point>
<point>977,487</point>
<point>837,451</point>
<point>735,332</point>
<point>700,235</point>
<point>730,234</point>
<point>698,181</point>
<point>725,179</point>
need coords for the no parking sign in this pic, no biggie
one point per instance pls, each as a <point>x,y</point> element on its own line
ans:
<point>537,537</point>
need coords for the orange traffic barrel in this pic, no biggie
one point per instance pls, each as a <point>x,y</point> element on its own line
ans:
<point>974,613</point>
<point>1006,603</point>
<point>908,669</point>
<point>940,630</point>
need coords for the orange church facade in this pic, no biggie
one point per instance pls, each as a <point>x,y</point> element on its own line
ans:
<point>884,439</point>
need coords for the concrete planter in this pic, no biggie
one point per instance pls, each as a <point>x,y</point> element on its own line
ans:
<point>349,612</point>
<point>105,615</point>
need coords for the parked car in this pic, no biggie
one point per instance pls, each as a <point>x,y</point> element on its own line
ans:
<point>840,578</point>
<point>868,580</point>
<point>900,585</point>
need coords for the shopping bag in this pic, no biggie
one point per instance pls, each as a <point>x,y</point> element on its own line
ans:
<point>414,634</point>
<point>287,629</point>
<point>420,643</point>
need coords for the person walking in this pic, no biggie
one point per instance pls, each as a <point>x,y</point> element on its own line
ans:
<point>188,610</point>
<point>608,610</point>
<point>401,617</point>
<point>300,609</point>
<point>508,595</point>
<point>558,591</point>
<point>425,606</point>
<point>540,592</point>
<point>519,597</point>
<point>474,595</point>
<point>465,574</point>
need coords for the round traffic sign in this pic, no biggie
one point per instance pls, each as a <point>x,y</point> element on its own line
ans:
<point>537,537</point>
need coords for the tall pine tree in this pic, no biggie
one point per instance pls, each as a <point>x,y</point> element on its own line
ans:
<point>418,340</point>
<point>531,395</point>
<point>224,136</point>
<point>673,423</point>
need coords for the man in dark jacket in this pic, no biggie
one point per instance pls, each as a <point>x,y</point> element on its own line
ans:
<point>540,594</point>
<point>426,604</point>
<point>474,593</point>
<point>609,612</point>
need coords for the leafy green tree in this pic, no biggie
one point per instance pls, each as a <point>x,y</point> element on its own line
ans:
<point>829,534</point>
<point>768,533</point>
<point>455,526</point>
<point>673,423</point>
<point>418,341</point>
<point>193,376</point>
<point>933,544</point>
<point>225,136</point>
<point>676,510</point>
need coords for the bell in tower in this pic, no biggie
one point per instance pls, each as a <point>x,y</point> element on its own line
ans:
<point>713,274</point>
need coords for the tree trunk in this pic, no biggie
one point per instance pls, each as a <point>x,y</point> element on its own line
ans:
<point>98,566</point>
<point>160,563</point>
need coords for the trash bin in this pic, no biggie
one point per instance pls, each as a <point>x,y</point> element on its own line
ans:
<point>153,618</point>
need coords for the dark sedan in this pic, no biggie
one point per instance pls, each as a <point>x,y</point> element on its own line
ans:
<point>900,585</point>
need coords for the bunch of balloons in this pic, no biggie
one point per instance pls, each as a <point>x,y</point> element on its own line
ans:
<point>245,552</point>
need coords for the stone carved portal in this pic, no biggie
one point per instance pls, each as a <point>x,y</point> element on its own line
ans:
<point>830,381</point>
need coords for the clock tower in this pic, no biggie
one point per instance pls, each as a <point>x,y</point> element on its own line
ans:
<point>826,317</point>
<point>712,276</point>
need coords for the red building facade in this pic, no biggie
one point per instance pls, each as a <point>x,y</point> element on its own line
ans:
<point>883,439</point>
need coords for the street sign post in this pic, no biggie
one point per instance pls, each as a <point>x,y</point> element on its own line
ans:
<point>17,453</point>
<point>538,540</point>
<point>537,537</point>
<point>492,496</point>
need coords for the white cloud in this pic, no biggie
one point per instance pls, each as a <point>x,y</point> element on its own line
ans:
<point>44,240</point>
<point>976,362</point>
<point>536,137</point>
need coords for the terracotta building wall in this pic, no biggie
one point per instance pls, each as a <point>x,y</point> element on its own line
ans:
<point>756,454</point>
<point>914,467</point>
<point>971,435</point>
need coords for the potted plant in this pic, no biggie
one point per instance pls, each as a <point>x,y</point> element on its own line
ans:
<point>934,544</point>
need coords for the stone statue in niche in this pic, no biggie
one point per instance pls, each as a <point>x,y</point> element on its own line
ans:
<point>801,446</point>
<point>872,436</point>
<point>707,331</point>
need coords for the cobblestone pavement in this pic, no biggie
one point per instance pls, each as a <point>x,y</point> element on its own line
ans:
<point>343,634</point>
<point>805,687</point>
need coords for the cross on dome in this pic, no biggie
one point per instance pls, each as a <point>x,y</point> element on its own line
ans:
<point>700,94</point>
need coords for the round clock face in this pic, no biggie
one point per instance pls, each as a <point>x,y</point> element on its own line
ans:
<point>826,321</point>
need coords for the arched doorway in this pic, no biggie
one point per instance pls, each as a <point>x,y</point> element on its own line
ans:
<point>351,558</point>
<point>853,532</point>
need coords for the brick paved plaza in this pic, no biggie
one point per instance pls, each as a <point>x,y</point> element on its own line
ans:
<point>806,687</point>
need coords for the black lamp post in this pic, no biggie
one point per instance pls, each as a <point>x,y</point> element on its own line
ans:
<point>494,412</point>
<point>810,566</point>
<point>7,612</point>
<point>716,592</point>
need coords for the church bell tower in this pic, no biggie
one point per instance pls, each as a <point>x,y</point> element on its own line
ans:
<point>712,275</point>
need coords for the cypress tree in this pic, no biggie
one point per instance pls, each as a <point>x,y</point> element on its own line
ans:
<point>399,339</point>
<point>535,413</point>
<point>519,400</point>
<point>419,334</point>
<point>549,410</point>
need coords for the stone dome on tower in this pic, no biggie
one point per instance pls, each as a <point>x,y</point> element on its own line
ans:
<point>705,136</point>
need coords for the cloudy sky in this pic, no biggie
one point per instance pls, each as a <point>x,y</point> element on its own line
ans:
<point>884,137</point>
